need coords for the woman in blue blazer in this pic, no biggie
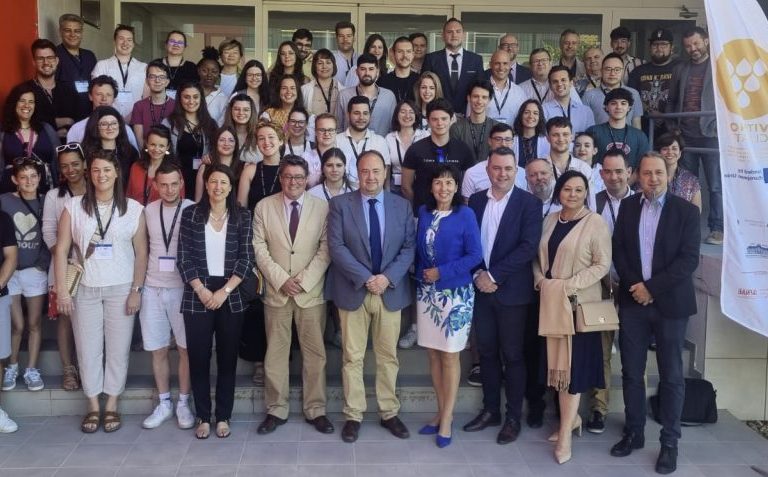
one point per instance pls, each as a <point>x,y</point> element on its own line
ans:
<point>447,250</point>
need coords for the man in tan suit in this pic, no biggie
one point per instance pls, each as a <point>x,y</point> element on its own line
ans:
<point>289,239</point>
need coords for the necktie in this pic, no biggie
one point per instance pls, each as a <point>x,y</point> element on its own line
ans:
<point>454,71</point>
<point>374,237</point>
<point>294,223</point>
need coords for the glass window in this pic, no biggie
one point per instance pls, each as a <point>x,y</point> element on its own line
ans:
<point>642,29</point>
<point>533,30</point>
<point>283,24</point>
<point>393,25</point>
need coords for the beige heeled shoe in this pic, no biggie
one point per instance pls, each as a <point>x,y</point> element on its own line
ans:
<point>577,426</point>
<point>562,455</point>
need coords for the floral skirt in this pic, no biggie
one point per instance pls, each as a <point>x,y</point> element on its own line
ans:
<point>444,316</point>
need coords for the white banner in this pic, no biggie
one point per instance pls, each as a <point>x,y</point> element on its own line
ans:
<point>738,33</point>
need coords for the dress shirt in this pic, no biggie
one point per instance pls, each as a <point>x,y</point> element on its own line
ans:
<point>344,65</point>
<point>476,179</point>
<point>580,115</point>
<point>616,203</point>
<point>459,59</point>
<point>505,104</point>
<point>288,207</point>
<point>650,213</point>
<point>494,210</point>
<point>379,211</point>
<point>352,150</point>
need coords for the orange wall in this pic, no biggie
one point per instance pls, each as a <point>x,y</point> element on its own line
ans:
<point>18,32</point>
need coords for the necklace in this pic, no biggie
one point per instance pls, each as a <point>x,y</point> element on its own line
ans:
<point>217,219</point>
<point>565,221</point>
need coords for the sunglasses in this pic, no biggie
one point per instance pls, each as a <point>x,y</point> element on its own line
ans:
<point>70,146</point>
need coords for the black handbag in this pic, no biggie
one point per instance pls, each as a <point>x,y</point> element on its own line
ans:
<point>253,286</point>
<point>699,405</point>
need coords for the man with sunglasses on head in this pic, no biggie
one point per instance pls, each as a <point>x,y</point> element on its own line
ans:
<point>75,63</point>
<point>151,111</point>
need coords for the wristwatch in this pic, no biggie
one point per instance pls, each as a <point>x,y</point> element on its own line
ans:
<point>137,289</point>
<point>228,290</point>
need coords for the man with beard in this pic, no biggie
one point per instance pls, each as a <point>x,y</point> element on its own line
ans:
<point>541,183</point>
<point>401,80</point>
<point>382,101</point>
<point>518,73</point>
<point>593,63</point>
<point>358,137</point>
<point>55,101</point>
<point>302,38</point>
<point>569,49</point>
<point>345,50</point>
<point>621,41</point>
<point>654,80</point>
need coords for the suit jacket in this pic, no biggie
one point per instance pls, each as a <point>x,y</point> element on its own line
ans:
<point>523,74</point>
<point>471,67</point>
<point>515,246</point>
<point>192,261</point>
<point>351,251</point>
<point>675,255</point>
<point>280,259</point>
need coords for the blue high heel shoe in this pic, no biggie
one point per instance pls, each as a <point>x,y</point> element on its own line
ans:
<point>429,430</point>
<point>443,441</point>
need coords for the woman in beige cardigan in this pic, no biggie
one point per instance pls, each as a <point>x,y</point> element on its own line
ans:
<point>574,254</point>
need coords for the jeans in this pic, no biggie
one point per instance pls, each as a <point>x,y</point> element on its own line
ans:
<point>711,165</point>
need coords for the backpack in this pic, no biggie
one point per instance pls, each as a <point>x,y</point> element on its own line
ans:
<point>699,405</point>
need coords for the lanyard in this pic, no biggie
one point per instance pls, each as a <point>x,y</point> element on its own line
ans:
<point>567,166</point>
<point>124,75</point>
<point>399,154</point>
<point>197,136</point>
<point>610,206</point>
<point>613,139</point>
<point>504,101</point>
<point>478,142</point>
<point>29,144</point>
<point>48,95</point>
<point>373,101</point>
<point>147,188</point>
<point>103,230</point>
<point>344,188</point>
<point>169,236</point>
<point>306,146</point>
<point>173,70</point>
<point>326,98</point>
<point>536,90</point>
<point>568,113</point>
<point>591,81</point>
<point>354,150</point>
<point>155,120</point>
<point>263,185</point>
<point>549,207</point>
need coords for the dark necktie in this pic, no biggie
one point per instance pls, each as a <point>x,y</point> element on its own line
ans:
<point>293,225</point>
<point>454,71</point>
<point>374,237</point>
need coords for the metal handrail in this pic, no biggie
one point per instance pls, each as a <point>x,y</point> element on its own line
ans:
<point>652,117</point>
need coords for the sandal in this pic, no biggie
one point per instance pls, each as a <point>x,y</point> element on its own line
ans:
<point>112,421</point>
<point>90,422</point>
<point>70,380</point>
<point>222,429</point>
<point>203,429</point>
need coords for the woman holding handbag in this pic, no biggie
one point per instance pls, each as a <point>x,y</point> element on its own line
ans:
<point>574,255</point>
<point>108,231</point>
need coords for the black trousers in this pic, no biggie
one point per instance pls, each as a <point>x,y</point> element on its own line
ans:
<point>534,349</point>
<point>500,334</point>
<point>253,339</point>
<point>638,324</point>
<point>200,330</point>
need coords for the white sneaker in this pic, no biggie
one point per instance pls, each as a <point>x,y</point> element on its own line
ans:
<point>33,379</point>
<point>6,423</point>
<point>162,413</point>
<point>408,340</point>
<point>184,416</point>
<point>10,376</point>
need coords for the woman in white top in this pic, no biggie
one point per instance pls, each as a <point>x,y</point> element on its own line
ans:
<point>72,168</point>
<point>406,130</point>
<point>584,148</point>
<point>241,116</point>
<point>321,95</point>
<point>530,133</point>
<point>297,143</point>
<point>209,70</point>
<point>333,180</point>
<point>253,82</point>
<point>109,231</point>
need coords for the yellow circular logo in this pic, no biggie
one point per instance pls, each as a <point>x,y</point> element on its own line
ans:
<point>742,78</point>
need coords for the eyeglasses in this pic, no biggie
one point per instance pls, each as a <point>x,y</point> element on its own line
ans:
<point>288,178</point>
<point>253,75</point>
<point>157,77</point>
<point>613,70</point>
<point>297,122</point>
<point>112,125</point>
<point>505,140</point>
<point>326,130</point>
<point>70,146</point>
<point>176,42</point>
<point>507,45</point>
<point>300,44</point>
<point>540,61</point>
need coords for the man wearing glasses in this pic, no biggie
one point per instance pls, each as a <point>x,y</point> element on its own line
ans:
<point>518,73</point>
<point>621,42</point>
<point>55,101</point>
<point>476,177</point>
<point>303,38</point>
<point>76,63</point>
<point>151,111</point>
<point>613,66</point>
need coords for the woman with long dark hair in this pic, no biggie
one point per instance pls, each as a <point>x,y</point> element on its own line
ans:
<point>225,151</point>
<point>105,130</point>
<point>287,97</point>
<point>253,81</point>
<point>530,133</point>
<point>287,63</point>
<point>242,118</point>
<point>406,129</point>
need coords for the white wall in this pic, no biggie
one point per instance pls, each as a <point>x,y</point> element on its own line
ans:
<point>99,40</point>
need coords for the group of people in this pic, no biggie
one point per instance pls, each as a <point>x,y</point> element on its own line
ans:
<point>224,200</point>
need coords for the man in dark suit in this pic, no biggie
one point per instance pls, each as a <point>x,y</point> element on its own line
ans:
<point>455,66</point>
<point>510,229</point>
<point>655,251</point>
<point>368,282</point>
<point>517,72</point>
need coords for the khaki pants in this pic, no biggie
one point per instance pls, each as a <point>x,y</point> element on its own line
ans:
<point>598,398</point>
<point>310,323</point>
<point>385,330</point>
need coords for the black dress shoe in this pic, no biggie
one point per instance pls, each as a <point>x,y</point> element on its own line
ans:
<point>627,444</point>
<point>269,424</point>
<point>322,424</point>
<point>667,461</point>
<point>483,420</point>
<point>396,427</point>
<point>535,418</point>
<point>350,431</point>
<point>509,432</point>
<point>596,425</point>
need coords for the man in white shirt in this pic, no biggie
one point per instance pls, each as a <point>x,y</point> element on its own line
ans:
<point>358,137</point>
<point>560,137</point>
<point>381,100</point>
<point>127,71</point>
<point>563,103</point>
<point>476,177</point>
<point>346,59</point>
<point>507,96</point>
<point>538,86</point>
<point>162,295</point>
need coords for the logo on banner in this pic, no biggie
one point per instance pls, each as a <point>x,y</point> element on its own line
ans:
<point>742,73</point>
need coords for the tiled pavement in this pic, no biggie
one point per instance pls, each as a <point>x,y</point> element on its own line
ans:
<point>50,446</point>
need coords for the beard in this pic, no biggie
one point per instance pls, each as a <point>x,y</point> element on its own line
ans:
<point>367,80</point>
<point>543,191</point>
<point>660,59</point>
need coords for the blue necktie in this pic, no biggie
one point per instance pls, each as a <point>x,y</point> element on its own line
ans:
<point>374,236</point>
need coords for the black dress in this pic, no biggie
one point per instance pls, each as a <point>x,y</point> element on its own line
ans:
<point>587,348</point>
<point>188,148</point>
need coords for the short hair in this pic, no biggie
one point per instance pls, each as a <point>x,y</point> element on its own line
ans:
<point>452,20</point>
<point>558,68</point>
<point>358,100</point>
<point>618,93</point>
<point>101,80</point>
<point>293,160</point>
<point>694,30</point>
<point>445,170</point>
<point>667,139</point>
<point>620,32</point>
<point>372,152</point>
<point>159,64</point>
<point>415,35</point>
<point>271,125</point>
<point>650,154</point>
<point>169,167</point>
<point>42,44</point>
<point>587,134</point>
<point>501,151</point>
<point>230,43</point>
<point>439,104</point>
<point>342,25</point>
<point>120,27</point>
<point>27,162</point>
<point>499,128</point>
<point>323,54</point>
<point>535,159</point>
<point>568,31</point>
<point>70,17</point>
<point>367,58</point>
<point>616,152</point>
<point>401,39</point>
<point>323,116</point>
<point>559,122</point>
<point>536,51</point>
<point>565,177</point>
<point>614,56</point>
<point>176,32</point>
<point>302,33</point>
<point>483,84</point>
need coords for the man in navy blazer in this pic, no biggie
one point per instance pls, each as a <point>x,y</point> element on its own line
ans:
<point>518,73</point>
<point>510,230</point>
<point>655,251</point>
<point>371,238</point>
<point>441,62</point>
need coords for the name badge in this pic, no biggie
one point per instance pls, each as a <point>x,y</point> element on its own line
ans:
<point>397,178</point>
<point>166,264</point>
<point>81,86</point>
<point>197,162</point>
<point>171,93</point>
<point>103,251</point>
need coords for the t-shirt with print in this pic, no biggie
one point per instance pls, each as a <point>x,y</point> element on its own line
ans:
<point>26,226</point>
<point>631,140</point>
<point>692,101</point>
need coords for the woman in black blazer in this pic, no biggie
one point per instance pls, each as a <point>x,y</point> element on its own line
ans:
<point>215,253</point>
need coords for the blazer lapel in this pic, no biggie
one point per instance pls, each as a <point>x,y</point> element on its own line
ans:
<point>279,209</point>
<point>389,226</point>
<point>505,218</point>
<point>357,215</point>
<point>661,230</point>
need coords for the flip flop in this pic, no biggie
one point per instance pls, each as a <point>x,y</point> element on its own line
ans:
<point>90,419</point>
